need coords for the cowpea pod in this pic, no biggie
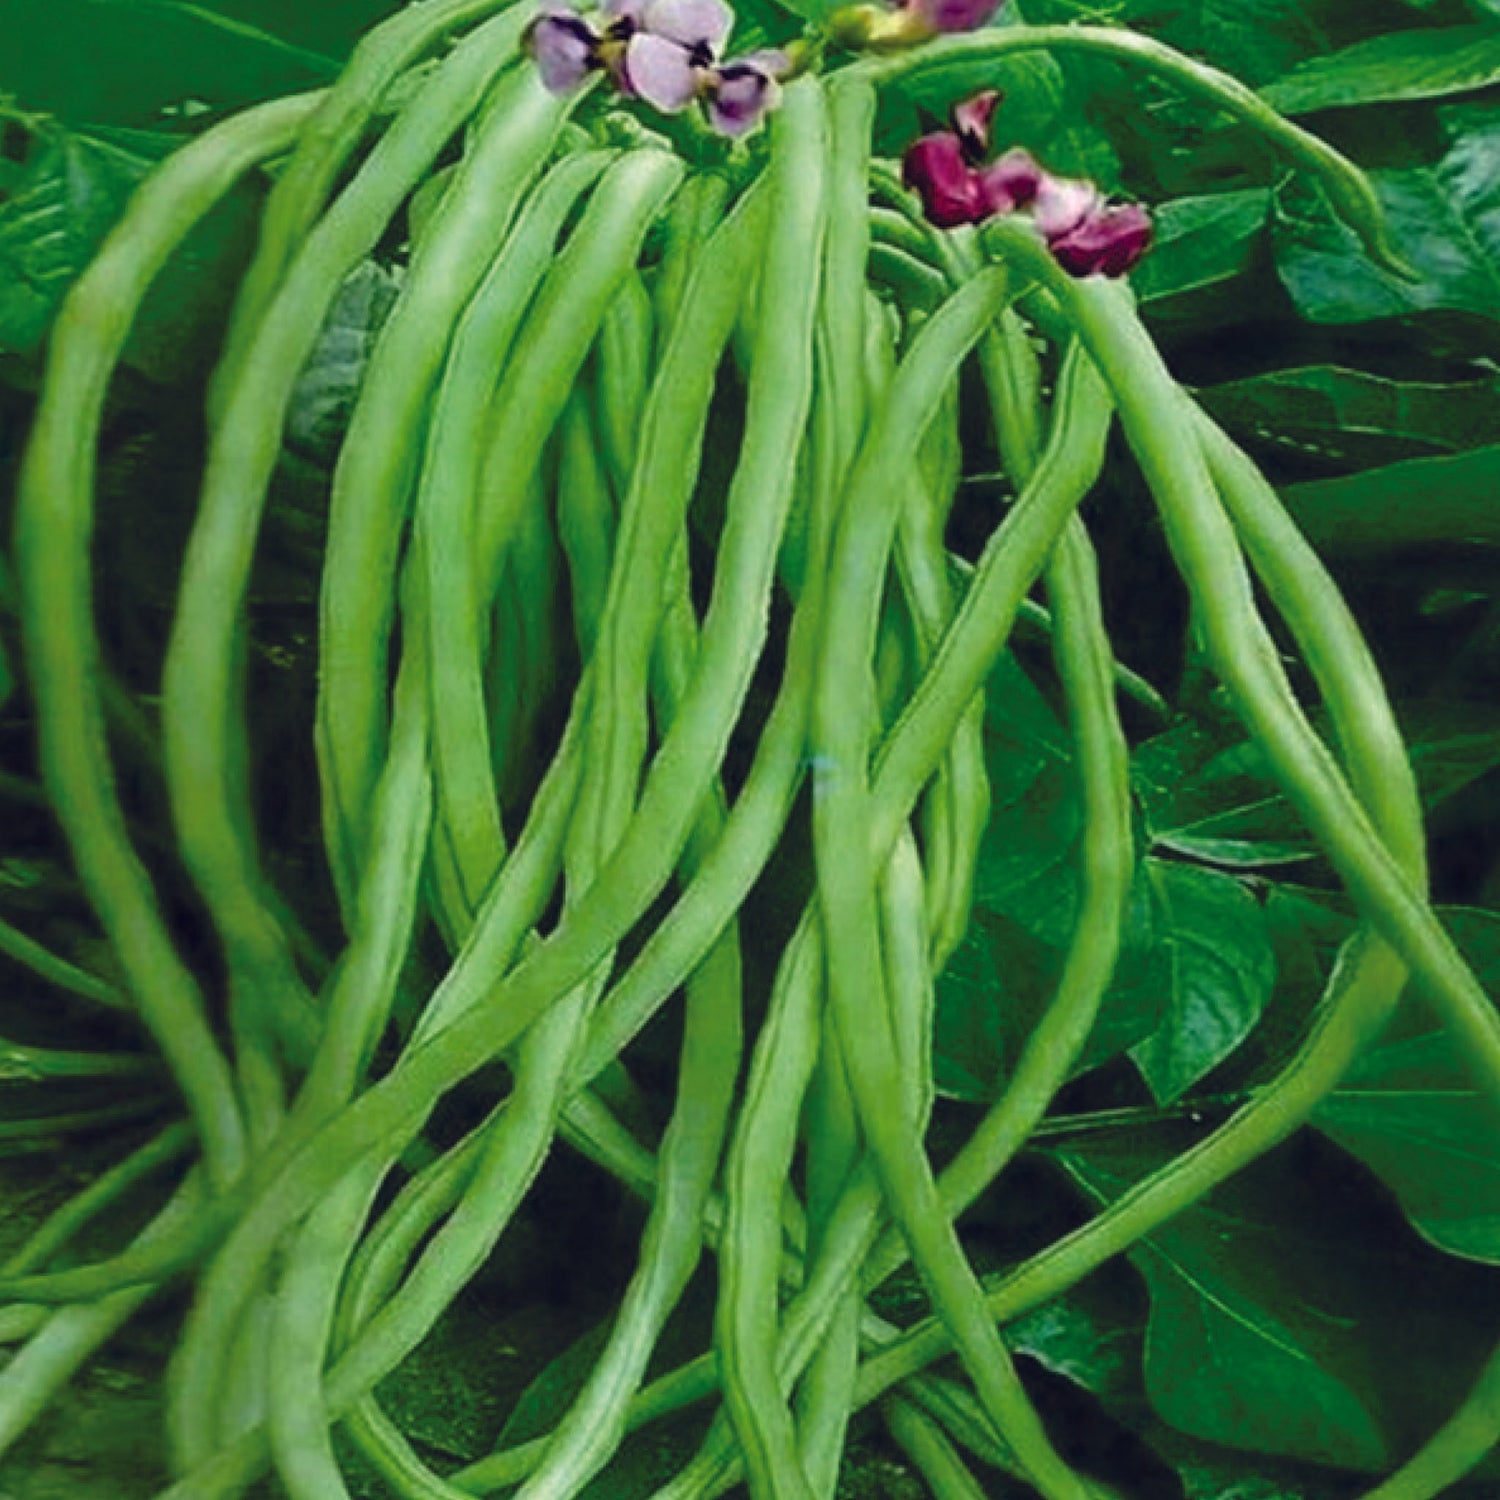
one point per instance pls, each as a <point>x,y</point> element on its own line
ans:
<point>372,479</point>
<point>54,521</point>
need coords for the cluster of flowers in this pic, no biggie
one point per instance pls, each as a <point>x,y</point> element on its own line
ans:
<point>666,52</point>
<point>1086,235</point>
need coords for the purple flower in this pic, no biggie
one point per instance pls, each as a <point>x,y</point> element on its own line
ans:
<point>1108,243</point>
<point>952,191</point>
<point>676,44</point>
<point>1084,233</point>
<point>665,52</point>
<point>564,46</point>
<point>741,91</point>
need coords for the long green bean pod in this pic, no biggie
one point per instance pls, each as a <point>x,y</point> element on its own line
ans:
<point>709,1064</point>
<point>1246,659</point>
<point>368,503</point>
<point>46,965</point>
<point>71,1335</point>
<point>545,357</point>
<point>922,1440</point>
<point>844,724</point>
<point>324,144</point>
<point>1016,554</point>
<point>54,520</point>
<point>203,730</point>
<point>1107,861</point>
<point>446,506</point>
<point>759,1161</point>
<point>679,775</point>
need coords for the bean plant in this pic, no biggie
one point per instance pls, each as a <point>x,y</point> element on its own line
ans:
<point>637,595</point>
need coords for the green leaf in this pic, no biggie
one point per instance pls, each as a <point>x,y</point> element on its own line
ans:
<point>1218,969</point>
<point>1272,1325</point>
<point>1347,414</point>
<point>126,62</point>
<point>72,191</point>
<point>1208,794</point>
<point>1256,40</point>
<point>1421,64</point>
<point>1394,508</point>
<point>1202,242</point>
<point>1410,1111</point>
<point>1445,218</point>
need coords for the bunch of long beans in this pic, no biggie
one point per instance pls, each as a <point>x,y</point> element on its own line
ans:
<point>517,518</point>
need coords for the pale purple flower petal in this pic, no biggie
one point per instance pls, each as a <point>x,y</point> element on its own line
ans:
<point>1107,243</point>
<point>698,25</point>
<point>742,90</point>
<point>659,71</point>
<point>563,45</point>
<point>1012,181</point>
<point>951,190</point>
<point>1061,204</point>
<point>971,122</point>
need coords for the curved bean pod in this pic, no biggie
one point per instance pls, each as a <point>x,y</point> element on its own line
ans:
<point>54,519</point>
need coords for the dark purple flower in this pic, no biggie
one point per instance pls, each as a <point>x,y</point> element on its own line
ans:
<point>565,47</point>
<point>951,190</point>
<point>1086,236</point>
<point>1108,242</point>
<point>741,91</point>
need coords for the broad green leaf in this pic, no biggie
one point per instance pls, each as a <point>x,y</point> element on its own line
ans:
<point>1256,40</point>
<point>1237,1344</point>
<point>1419,64</point>
<point>1026,894</point>
<point>1445,219</point>
<point>1411,1112</point>
<point>126,62</point>
<point>73,190</point>
<point>1273,1328</point>
<point>1341,414</point>
<point>1026,860</point>
<point>1208,794</point>
<point>1202,242</point>
<point>329,29</point>
<point>74,187</point>
<point>1217,969</point>
<point>1401,505</point>
<point>1196,967</point>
